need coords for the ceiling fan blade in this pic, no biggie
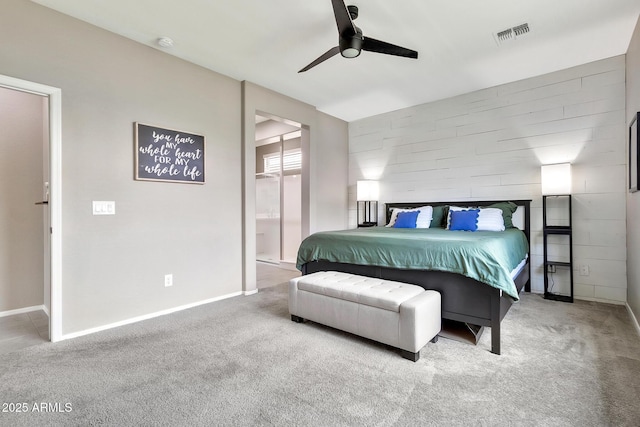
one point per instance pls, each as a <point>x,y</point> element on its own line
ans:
<point>373,45</point>
<point>343,18</point>
<point>328,54</point>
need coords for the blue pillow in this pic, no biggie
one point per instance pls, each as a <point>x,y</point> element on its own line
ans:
<point>406,219</point>
<point>464,220</point>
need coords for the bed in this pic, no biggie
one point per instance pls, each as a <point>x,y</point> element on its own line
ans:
<point>471,298</point>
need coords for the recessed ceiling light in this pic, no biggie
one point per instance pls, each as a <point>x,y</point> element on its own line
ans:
<point>165,42</point>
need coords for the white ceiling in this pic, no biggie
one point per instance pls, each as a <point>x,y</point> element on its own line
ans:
<point>268,41</point>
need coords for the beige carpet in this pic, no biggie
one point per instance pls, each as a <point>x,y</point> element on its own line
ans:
<point>243,362</point>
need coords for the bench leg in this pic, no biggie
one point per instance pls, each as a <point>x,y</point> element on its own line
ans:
<point>297,319</point>
<point>410,355</point>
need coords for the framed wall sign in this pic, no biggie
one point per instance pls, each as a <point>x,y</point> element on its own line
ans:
<point>168,155</point>
<point>634,154</point>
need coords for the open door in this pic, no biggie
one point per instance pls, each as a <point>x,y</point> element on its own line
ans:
<point>48,196</point>
<point>25,285</point>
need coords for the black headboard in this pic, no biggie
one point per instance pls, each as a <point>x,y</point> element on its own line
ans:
<point>526,204</point>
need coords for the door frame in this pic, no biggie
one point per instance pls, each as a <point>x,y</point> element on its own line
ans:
<point>54,96</point>
<point>281,134</point>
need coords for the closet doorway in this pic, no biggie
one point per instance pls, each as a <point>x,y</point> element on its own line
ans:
<point>278,190</point>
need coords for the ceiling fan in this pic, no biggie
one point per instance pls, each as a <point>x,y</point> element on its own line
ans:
<point>351,41</point>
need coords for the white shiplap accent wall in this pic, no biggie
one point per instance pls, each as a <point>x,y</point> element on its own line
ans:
<point>490,144</point>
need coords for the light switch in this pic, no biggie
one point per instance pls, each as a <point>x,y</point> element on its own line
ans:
<point>104,207</point>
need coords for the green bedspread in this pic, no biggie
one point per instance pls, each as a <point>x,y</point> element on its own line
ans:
<point>486,256</point>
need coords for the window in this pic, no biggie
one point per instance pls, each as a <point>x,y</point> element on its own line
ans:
<point>291,160</point>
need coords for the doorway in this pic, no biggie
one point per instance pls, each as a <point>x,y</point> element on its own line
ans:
<point>278,190</point>
<point>24,245</point>
<point>278,184</point>
<point>45,202</point>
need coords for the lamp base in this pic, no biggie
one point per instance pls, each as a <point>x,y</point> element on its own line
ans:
<point>367,224</point>
<point>367,217</point>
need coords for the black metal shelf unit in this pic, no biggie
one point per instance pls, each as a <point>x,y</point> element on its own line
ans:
<point>367,214</point>
<point>550,265</point>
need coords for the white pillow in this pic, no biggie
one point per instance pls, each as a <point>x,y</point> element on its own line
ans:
<point>423,220</point>
<point>489,219</point>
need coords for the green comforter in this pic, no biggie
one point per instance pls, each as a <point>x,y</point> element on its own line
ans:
<point>486,256</point>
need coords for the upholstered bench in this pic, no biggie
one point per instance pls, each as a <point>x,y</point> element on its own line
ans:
<point>393,313</point>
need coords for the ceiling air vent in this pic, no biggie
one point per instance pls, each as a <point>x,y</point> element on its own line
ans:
<point>511,33</point>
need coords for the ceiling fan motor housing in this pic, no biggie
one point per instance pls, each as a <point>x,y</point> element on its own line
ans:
<point>351,44</point>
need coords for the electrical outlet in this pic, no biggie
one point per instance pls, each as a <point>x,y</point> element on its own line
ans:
<point>168,280</point>
<point>551,268</point>
<point>584,270</point>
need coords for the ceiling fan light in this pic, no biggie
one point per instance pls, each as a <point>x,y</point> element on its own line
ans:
<point>350,52</point>
<point>351,45</point>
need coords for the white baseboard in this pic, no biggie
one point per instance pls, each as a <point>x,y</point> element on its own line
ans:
<point>634,319</point>
<point>600,300</point>
<point>247,293</point>
<point>145,317</point>
<point>23,310</point>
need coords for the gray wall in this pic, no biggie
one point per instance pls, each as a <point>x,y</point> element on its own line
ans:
<point>332,160</point>
<point>114,266</point>
<point>633,199</point>
<point>21,185</point>
<point>490,144</point>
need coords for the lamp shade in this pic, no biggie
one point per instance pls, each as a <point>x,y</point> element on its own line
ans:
<point>367,191</point>
<point>556,179</point>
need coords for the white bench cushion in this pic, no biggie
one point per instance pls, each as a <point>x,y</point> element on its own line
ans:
<point>379,293</point>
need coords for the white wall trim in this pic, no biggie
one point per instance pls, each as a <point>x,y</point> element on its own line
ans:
<point>146,316</point>
<point>598,300</point>
<point>252,292</point>
<point>23,310</point>
<point>55,190</point>
<point>634,319</point>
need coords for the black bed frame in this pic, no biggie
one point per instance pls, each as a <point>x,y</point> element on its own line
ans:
<point>463,299</point>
